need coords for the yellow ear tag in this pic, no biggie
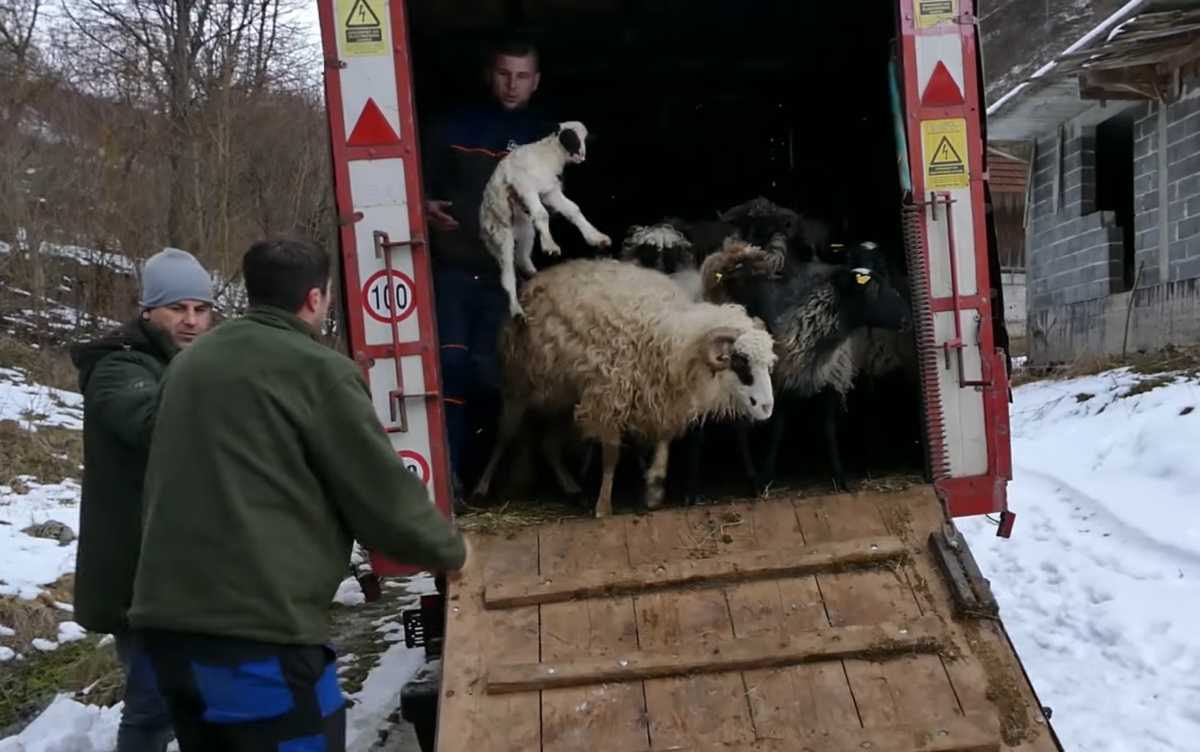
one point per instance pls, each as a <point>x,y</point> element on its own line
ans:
<point>836,246</point>
<point>718,276</point>
<point>862,279</point>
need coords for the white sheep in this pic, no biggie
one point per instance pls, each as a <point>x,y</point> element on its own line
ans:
<point>665,248</point>
<point>525,182</point>
<point>628,353</point>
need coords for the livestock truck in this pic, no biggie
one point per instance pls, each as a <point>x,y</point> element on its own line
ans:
<point>806,620</point>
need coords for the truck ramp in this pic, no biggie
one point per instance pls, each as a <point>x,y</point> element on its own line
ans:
<point>823,624</point>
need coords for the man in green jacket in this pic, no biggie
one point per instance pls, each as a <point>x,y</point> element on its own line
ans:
<point>119,376</point>
<point>268,460</point>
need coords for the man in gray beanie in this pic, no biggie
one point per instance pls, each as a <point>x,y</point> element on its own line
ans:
<point>119,376</point>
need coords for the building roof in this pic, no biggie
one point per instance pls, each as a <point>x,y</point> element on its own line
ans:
<point>1147,49</point>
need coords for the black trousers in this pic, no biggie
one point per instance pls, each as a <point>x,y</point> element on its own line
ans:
<point>243,696</point>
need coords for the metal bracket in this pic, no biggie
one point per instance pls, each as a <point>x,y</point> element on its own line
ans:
<point>957,344</point>
<point>397,396</point>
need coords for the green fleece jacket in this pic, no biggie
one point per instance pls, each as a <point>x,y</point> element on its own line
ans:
<point>119,376</point>
<point>267,460</point>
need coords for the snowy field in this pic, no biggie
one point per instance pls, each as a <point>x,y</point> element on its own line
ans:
<point>1099,585</point>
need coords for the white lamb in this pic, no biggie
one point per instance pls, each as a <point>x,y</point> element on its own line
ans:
<point>625,351</point>
<point>515,201</point>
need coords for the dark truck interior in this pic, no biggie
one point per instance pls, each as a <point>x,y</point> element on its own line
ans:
<point>696,107</point>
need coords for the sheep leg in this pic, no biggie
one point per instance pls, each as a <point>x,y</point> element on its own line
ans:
<point>656,476</point>
<point>557,201</point>
<point>695,452</point>
<point>552,447</point>
<point>511,415</point>
<point>541,221</point>
<point>831,439</point>
<point>610,453</point>
<point>508,275</point>
<point>767,477</point>
<point>524,233</point>
<point>743,439</point>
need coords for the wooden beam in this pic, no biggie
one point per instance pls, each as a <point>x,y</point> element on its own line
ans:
<point>975,732</point>
<point>923,635</point>
<point>795,562</point>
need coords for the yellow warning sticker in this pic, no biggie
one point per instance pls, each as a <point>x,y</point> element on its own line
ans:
<point>362,27</point>
<point>934,12</point>
<point>945,149</point>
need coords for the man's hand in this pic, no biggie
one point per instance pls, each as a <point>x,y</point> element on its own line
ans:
<point>454,575</point>
<point>438,216</point>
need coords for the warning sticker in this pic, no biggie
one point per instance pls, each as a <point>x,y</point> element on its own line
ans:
<point>934,12</point>
<point>945,149</point>
<point>379,297</point>
<point>415,464</point>
<point>362,27</point>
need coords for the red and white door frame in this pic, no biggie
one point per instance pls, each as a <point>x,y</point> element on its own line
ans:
<point>387,275</point>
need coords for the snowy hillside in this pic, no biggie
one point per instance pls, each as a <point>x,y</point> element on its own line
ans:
<point>1099,586</point>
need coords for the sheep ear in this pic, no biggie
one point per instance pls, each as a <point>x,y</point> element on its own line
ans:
<point>570,141</point>
<point>718,347</point>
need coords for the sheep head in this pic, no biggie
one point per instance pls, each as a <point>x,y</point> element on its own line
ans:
<point>662,247</point>
<point>573,137</point>
<point>742,359</point>
<point>866,298</point>
<point>736,262</point>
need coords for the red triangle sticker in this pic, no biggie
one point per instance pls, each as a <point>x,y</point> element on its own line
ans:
<point>941,91</point>
<point>372,128</point>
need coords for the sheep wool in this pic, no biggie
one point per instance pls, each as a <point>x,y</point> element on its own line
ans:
<point>622,345</point>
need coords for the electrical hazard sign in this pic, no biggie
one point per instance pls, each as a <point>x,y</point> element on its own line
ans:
<point>362,27</point>
<point>945,149</point>
<point>934,12</point>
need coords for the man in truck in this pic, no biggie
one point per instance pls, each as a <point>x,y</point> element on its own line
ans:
<point>120,375</point>
<point>461,152</point>
<point>268,460</point>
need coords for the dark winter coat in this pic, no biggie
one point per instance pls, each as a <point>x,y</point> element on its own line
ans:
<point>268,460</point>
<point>119,376</point>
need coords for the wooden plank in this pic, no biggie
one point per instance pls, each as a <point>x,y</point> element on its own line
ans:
<point>549,588</point>
<point>695,709</point>
<point>971,733</point>
<point>912,689</point>
<point>709,708</point>
<point>572,718</point>
<point>796,701</point>
<point>468,718</point>
<point>919,635</point>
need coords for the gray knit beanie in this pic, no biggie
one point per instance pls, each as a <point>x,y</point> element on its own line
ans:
<point>172,275</point>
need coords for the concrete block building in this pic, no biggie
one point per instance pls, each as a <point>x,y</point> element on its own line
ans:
<point>1110,125</point>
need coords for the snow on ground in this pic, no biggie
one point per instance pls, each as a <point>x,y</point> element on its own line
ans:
<point>28,562</point>
<point>34,405</point>
<point>68,726</point>
<point>1099,586</point>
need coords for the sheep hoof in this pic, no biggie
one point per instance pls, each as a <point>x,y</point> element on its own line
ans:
<point>551,249</point>
<point>600,241</point>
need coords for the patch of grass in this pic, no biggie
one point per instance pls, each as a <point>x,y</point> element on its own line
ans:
<point>49,454</point>
<point>46,364</point>
<point>1146,385</point>
<point>1183,360</point>
<point>29,619</point>
<point>27,686</point>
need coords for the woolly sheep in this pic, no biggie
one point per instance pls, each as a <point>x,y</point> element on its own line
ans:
<point>629,353</point>
<point>515,201</point>
<point>812,317</point>
<point>665,248</point>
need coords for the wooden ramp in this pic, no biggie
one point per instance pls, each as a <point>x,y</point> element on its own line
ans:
<point>818,624</point>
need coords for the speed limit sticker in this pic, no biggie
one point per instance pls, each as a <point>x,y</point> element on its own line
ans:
<point>379,296</point>
<point>415,464</point>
